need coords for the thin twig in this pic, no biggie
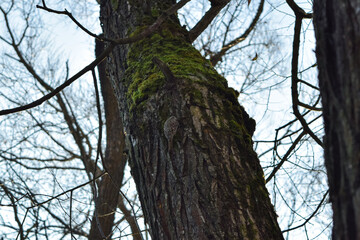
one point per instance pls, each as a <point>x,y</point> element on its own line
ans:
<point>71,231</point>
<point>62,86</point>
<point>311,216</point>
<point>308,84</point>
<point>67,191</point>
<point>285,157</point>
<point>69,14</point>
<point>217,57</point>
<point>304,105</point>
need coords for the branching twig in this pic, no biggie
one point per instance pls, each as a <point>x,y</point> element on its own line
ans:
<point>311,216</point>
<point>299,15</point>
<point>298,10</point>
<point>14,206</point>
<point>130,219</point>
<point>62,86</point>
<point>217,57</point>
<point>67,191</point>
<point>67,13</point>
<point>285,157</point>
<point>149,30</point>
<point>292,147</point>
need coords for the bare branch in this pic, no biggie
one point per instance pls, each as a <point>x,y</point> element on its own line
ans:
<point>67,191</point>
<point>217,57</point>
<point>14,206</point>
<point>149,30</point>
<point>130,219</point>
<point>308,84</point>
<point>294,79</point>
<point>67,13</point>
<point>206,19</point>
<point>285,157</point>
<point>62,86</point>
<point>304,105</point>
<point>298,10</point>
<point>311,216</point>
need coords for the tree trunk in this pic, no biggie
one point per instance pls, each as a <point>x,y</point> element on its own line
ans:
<point>337,28</point>
<point>189,140</point>
<point>109,187</point>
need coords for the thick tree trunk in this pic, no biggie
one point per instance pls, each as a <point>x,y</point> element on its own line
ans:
<point>337,28</point>
<point>189,139</point>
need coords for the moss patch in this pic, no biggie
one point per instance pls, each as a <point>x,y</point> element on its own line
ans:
<point>144,79</point>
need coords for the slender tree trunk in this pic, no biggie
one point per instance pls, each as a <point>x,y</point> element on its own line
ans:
<point>109,187</point>
<point>189,140</point>
<point>337,28</point>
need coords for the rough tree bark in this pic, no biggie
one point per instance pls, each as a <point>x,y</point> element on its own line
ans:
<point>189,140</point>
<point>337,29</point>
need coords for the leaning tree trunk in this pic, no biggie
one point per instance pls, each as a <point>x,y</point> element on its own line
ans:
<point>337,28</point>
<point>189,140</point>
<point>109,187</point>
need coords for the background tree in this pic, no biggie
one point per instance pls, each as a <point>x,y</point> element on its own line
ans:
<point>338,52</point>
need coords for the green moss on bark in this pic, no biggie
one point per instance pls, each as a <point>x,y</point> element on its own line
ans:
<point>144,78</point>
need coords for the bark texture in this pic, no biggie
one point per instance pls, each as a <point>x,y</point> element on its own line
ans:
<point>198,178</point>
<point>108,193</point>
<point>337,28</point>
